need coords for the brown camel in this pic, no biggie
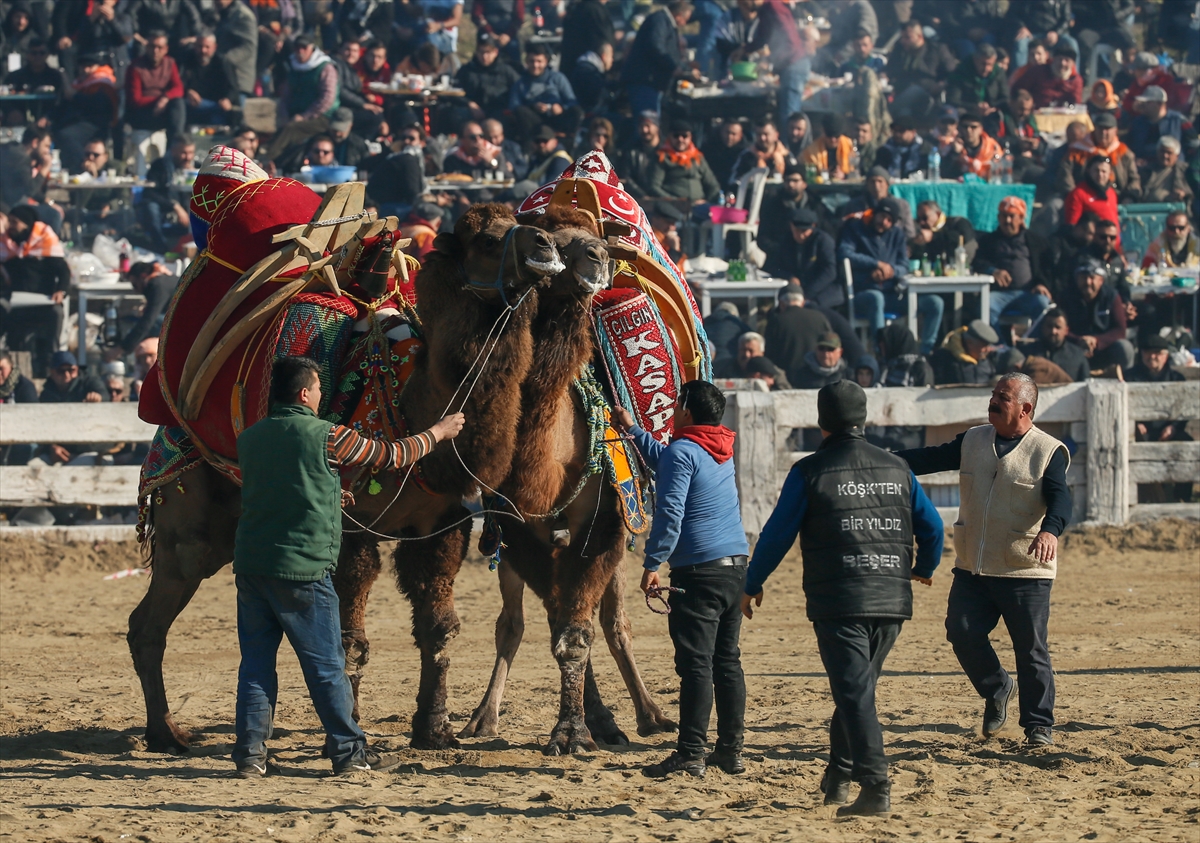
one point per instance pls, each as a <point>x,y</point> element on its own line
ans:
<point>466,289</point>
<point>572,560</point>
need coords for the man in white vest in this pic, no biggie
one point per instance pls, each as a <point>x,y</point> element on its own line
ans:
<point>1014,503</point>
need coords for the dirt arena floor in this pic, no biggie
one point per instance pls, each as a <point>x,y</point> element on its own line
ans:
<point>1125,766</point>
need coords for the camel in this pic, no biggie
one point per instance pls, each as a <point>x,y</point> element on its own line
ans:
<point>481,277</point>
<point>588,572</point>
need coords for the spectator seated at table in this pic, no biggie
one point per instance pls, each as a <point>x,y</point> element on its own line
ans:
<point>1102,140</point>
<point>869,103</point>
<point>350,149</point>
<point>33,260</point>
<point>35,75</point>
<point>847,20</point>
<point>1103,100</point>
<point>1165,178</point>
<point>832,151</point>
<point>1057,82</point>
<point>966,355</point>
<point>945,134</point>
<point>209,84</point>
<point>1097,317</point>
<point>680,170</point>
<point>1154,120</point>
<point>543,97</point>
<point>723,327</point>
<point>366,115</point>
<point>589,79</point>
<point>918,70</point>
<point>1105,248</point>
<point>308,97</point>
<point>1094,193</point>
<point>656,56</point>
<point>157,284</point>
<point>635,164</point>
<point>162,209</point>
<point>397,181</point>
<point>876,187</point>
<point>88,110</point>
<point>866,144</point>
<point>937,235</point>
<point>102,210</point>
<point>973,152</point>
<point>1176,246</point>
<point>588,25</point>
<point>1018,260</point>
<point>1068,247</point>
<point>793,331</point>
<point>1045,20</point>
<point>515,161</point>
<point>762,369</point>
<point>474,155</point>
<point>1148,72</point>
<point>905,152</point>
<point>486,81</point>
<point>775,215</point>
<point>978,84</point>
<point>1018,133</point>
<point>1039,54</point>
<point>808,254</point>
<point>878,252</point>
<point>1053,344</point>
<point>153,90</point>
<point>798,134</point>
<point>422,225</point>
<point>548,161</point>
<point>724,146</point>
<point>373,68</point>
<point>766,151</point>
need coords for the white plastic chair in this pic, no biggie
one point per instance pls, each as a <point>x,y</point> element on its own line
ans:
<point>861,325</point>
<point>749,196</point>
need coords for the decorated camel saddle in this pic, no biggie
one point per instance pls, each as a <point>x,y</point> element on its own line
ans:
<point>649,330</point>
<point>283,272</point>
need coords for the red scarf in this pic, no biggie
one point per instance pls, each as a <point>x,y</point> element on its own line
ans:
<point>688,158</point>
<point>716,439</point>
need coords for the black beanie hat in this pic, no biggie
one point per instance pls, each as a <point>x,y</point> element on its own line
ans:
<point>841,406</point>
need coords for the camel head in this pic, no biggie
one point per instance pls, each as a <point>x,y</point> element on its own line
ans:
<point>499,257</point>
<point>588,261</point>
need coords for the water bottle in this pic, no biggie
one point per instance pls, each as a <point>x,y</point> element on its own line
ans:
<point>110,324</point>
<point>935,165</point>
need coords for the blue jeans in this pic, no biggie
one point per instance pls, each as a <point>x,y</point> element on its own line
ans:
<point>1019,302</point>
<point>712,19</point>
<point>307,612</point>
<point>791,88</point>
<point>872,305</point>
<point>643,98</point>
<point>976,605</point>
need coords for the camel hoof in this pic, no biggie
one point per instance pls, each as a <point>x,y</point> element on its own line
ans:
<point>657,726</point>
<point>612,737</point>
<point>481,725</point>
<point>441,737</point>
<point>172,743</point>
<point>570,741</point>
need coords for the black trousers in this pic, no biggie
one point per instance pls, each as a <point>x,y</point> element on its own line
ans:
<point>976,605</point>
<point>853,650</point>
<point>705,623</point>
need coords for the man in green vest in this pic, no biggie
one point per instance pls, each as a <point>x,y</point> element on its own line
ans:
<point>287,545</point>
<point>309,98</point>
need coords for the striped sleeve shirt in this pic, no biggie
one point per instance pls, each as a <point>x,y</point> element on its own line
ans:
<point>347,447</point>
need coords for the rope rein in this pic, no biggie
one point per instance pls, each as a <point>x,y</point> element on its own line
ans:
<point>656,593</point>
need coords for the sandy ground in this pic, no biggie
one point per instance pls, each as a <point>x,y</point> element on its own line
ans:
<point>1125,633</point>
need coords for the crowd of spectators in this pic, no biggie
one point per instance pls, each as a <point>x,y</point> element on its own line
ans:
<point>526,86</point>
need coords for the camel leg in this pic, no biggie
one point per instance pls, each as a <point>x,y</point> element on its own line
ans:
<point>619,635</point>
<point>425,572</point>
<point>510,629</point>
<point>599,717</point>
<point>148,627</point>
<point>358,568</point>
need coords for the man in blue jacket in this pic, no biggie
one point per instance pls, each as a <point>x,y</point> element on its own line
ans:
<point>698,529</point>
<point>656,56</point>
<point>856,509</point>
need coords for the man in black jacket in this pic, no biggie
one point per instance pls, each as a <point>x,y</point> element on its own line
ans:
<point>775,217</point>
<point>939,235</point>
<point>808,260</point>
<point>397,181</point>
<point>486,81</point>
<point>586,28</point>
<point>656,56</point>
<point>794,332</point>
<point>635,166</point>
<point>978,84</point>
<point>1017,260</point>
<point>1052,344</point>
<point>918,71</point>
<point>965,356</point>
<point>857,579</point>
<point>208,84</point>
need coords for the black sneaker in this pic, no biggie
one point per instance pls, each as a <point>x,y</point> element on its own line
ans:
<point>874,800</point>
<point>1039,736</point>
<point>995,711</point>
<point>835,788</point>
<point>371,761</point>
<point>251,770</point>
<point>730,762</point>
<point>674,763</point>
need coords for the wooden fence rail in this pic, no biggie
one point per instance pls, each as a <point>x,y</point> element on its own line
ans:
<point>1098,416</point>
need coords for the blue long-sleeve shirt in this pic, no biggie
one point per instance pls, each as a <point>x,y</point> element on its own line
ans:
<point>697,517</point>
<point>551,87</point>
<point>782,528</point>
<point>866,248</point>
